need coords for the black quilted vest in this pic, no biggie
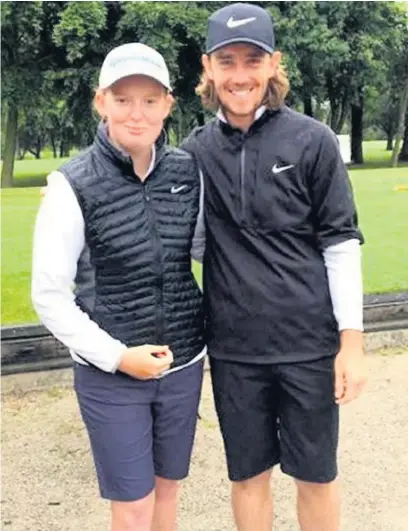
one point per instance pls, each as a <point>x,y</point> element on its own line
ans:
<point>138,284</point>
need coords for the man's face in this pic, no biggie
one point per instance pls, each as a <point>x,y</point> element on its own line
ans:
<point>240,73</point>
<point>135,108</point>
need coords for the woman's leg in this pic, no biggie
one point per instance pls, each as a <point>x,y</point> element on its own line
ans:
<point>132,515</point>
<point>175,411</point>
<point>166,503</point>
<point>117,412</point>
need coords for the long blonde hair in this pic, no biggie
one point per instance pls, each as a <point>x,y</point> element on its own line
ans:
<point>276,93</point>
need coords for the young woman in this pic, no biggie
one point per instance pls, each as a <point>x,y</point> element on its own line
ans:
<point>118,222</point>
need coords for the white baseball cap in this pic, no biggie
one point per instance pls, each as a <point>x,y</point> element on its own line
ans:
<point>131,59</point>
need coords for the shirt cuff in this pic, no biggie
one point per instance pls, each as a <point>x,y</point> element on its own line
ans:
<point>343,265</point>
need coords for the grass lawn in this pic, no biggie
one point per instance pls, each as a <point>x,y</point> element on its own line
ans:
<point>18,211</point>
<point>32,172</point>
<point>383,216</point>
<point>376,155</point>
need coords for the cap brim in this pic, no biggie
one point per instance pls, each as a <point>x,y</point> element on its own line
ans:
<point>256,43</point>
<point>134,69</point>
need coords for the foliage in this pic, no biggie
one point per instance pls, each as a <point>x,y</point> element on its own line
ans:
<point>345,62</point>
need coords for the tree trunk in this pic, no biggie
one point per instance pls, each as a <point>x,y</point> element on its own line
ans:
<point>307,105</point>
<point>9,147</point>
<point>334,107</point>
<point>54,147</point>
<point>334,117</point>
<point>400,130</point>
<point>20,148</point>
<point>345,103</point>
<point>357,110</point>
<point>403,156</point>
<point>38,149</point>
<point>390,139</point>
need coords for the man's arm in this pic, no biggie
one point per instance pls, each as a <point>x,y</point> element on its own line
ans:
<point>343,266</point>
<point>189,144</point>
<point>339,239</point>
<point>198,245</point>
<point>331,194</point>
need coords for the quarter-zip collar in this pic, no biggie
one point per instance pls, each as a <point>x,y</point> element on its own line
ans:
<point>258,113</point>
<point>234,133</point>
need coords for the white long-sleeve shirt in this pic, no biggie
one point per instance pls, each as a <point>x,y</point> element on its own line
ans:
<point>59,241</point>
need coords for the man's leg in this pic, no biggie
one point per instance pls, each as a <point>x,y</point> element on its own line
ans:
<point>318,506</point>
<point>246,398</point>
<point>309,421</point>
<point>252,503</point>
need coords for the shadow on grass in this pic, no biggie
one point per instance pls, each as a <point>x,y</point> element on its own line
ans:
<point>40,179</point>
<point>375,165</point>
<point>30,182</point>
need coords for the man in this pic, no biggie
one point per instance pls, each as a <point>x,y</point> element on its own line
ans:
<point>282,276</point>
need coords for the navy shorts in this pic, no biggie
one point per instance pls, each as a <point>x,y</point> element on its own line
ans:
<point>283,413</point>
<point>138,429</point>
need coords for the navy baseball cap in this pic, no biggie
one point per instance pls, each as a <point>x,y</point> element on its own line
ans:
<point>240,23</point>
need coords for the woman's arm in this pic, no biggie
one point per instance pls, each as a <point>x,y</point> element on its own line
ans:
<point>58,242</point>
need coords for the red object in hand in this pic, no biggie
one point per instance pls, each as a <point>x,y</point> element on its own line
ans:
<point>159,354</point>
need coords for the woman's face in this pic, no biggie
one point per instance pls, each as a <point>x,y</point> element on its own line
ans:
<point>135,108</point>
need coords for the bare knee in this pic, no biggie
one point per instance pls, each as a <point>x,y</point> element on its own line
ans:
<point>127,516</point>
<point>166,489</point>
<point>307,489</point>
<point>258,483</point>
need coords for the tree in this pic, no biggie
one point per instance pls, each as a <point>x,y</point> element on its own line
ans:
<point>177,30</point>
<point>383,113</point>
<point>27,55</point>
<point>402,72</point>
<point>21,25</point>
<point>403,156</point>
<point>370,31</point>
<point>342,59</point>
<point>400,131</point>
<point>310,48</point>
<point>85,36</point>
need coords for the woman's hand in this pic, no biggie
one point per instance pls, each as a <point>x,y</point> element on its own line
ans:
<point>146,362</point>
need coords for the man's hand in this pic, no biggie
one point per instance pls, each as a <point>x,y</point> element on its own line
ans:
<point>43,191</point>
<point>146,362</point>
<point>350,367</point>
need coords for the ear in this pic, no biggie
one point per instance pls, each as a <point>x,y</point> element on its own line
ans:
<point>275,60</point>
<point>100,103</point>
<point>170,101</point>
<point>206,62</point>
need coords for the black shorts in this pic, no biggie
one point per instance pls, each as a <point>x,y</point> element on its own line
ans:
<point>283,413</point>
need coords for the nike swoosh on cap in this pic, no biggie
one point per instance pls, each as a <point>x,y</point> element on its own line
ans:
<point>231,23</point>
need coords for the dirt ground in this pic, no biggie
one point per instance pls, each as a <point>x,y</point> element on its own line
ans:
<point>48,481</point>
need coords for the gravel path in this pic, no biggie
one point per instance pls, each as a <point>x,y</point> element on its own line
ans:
<point>48,481</point>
